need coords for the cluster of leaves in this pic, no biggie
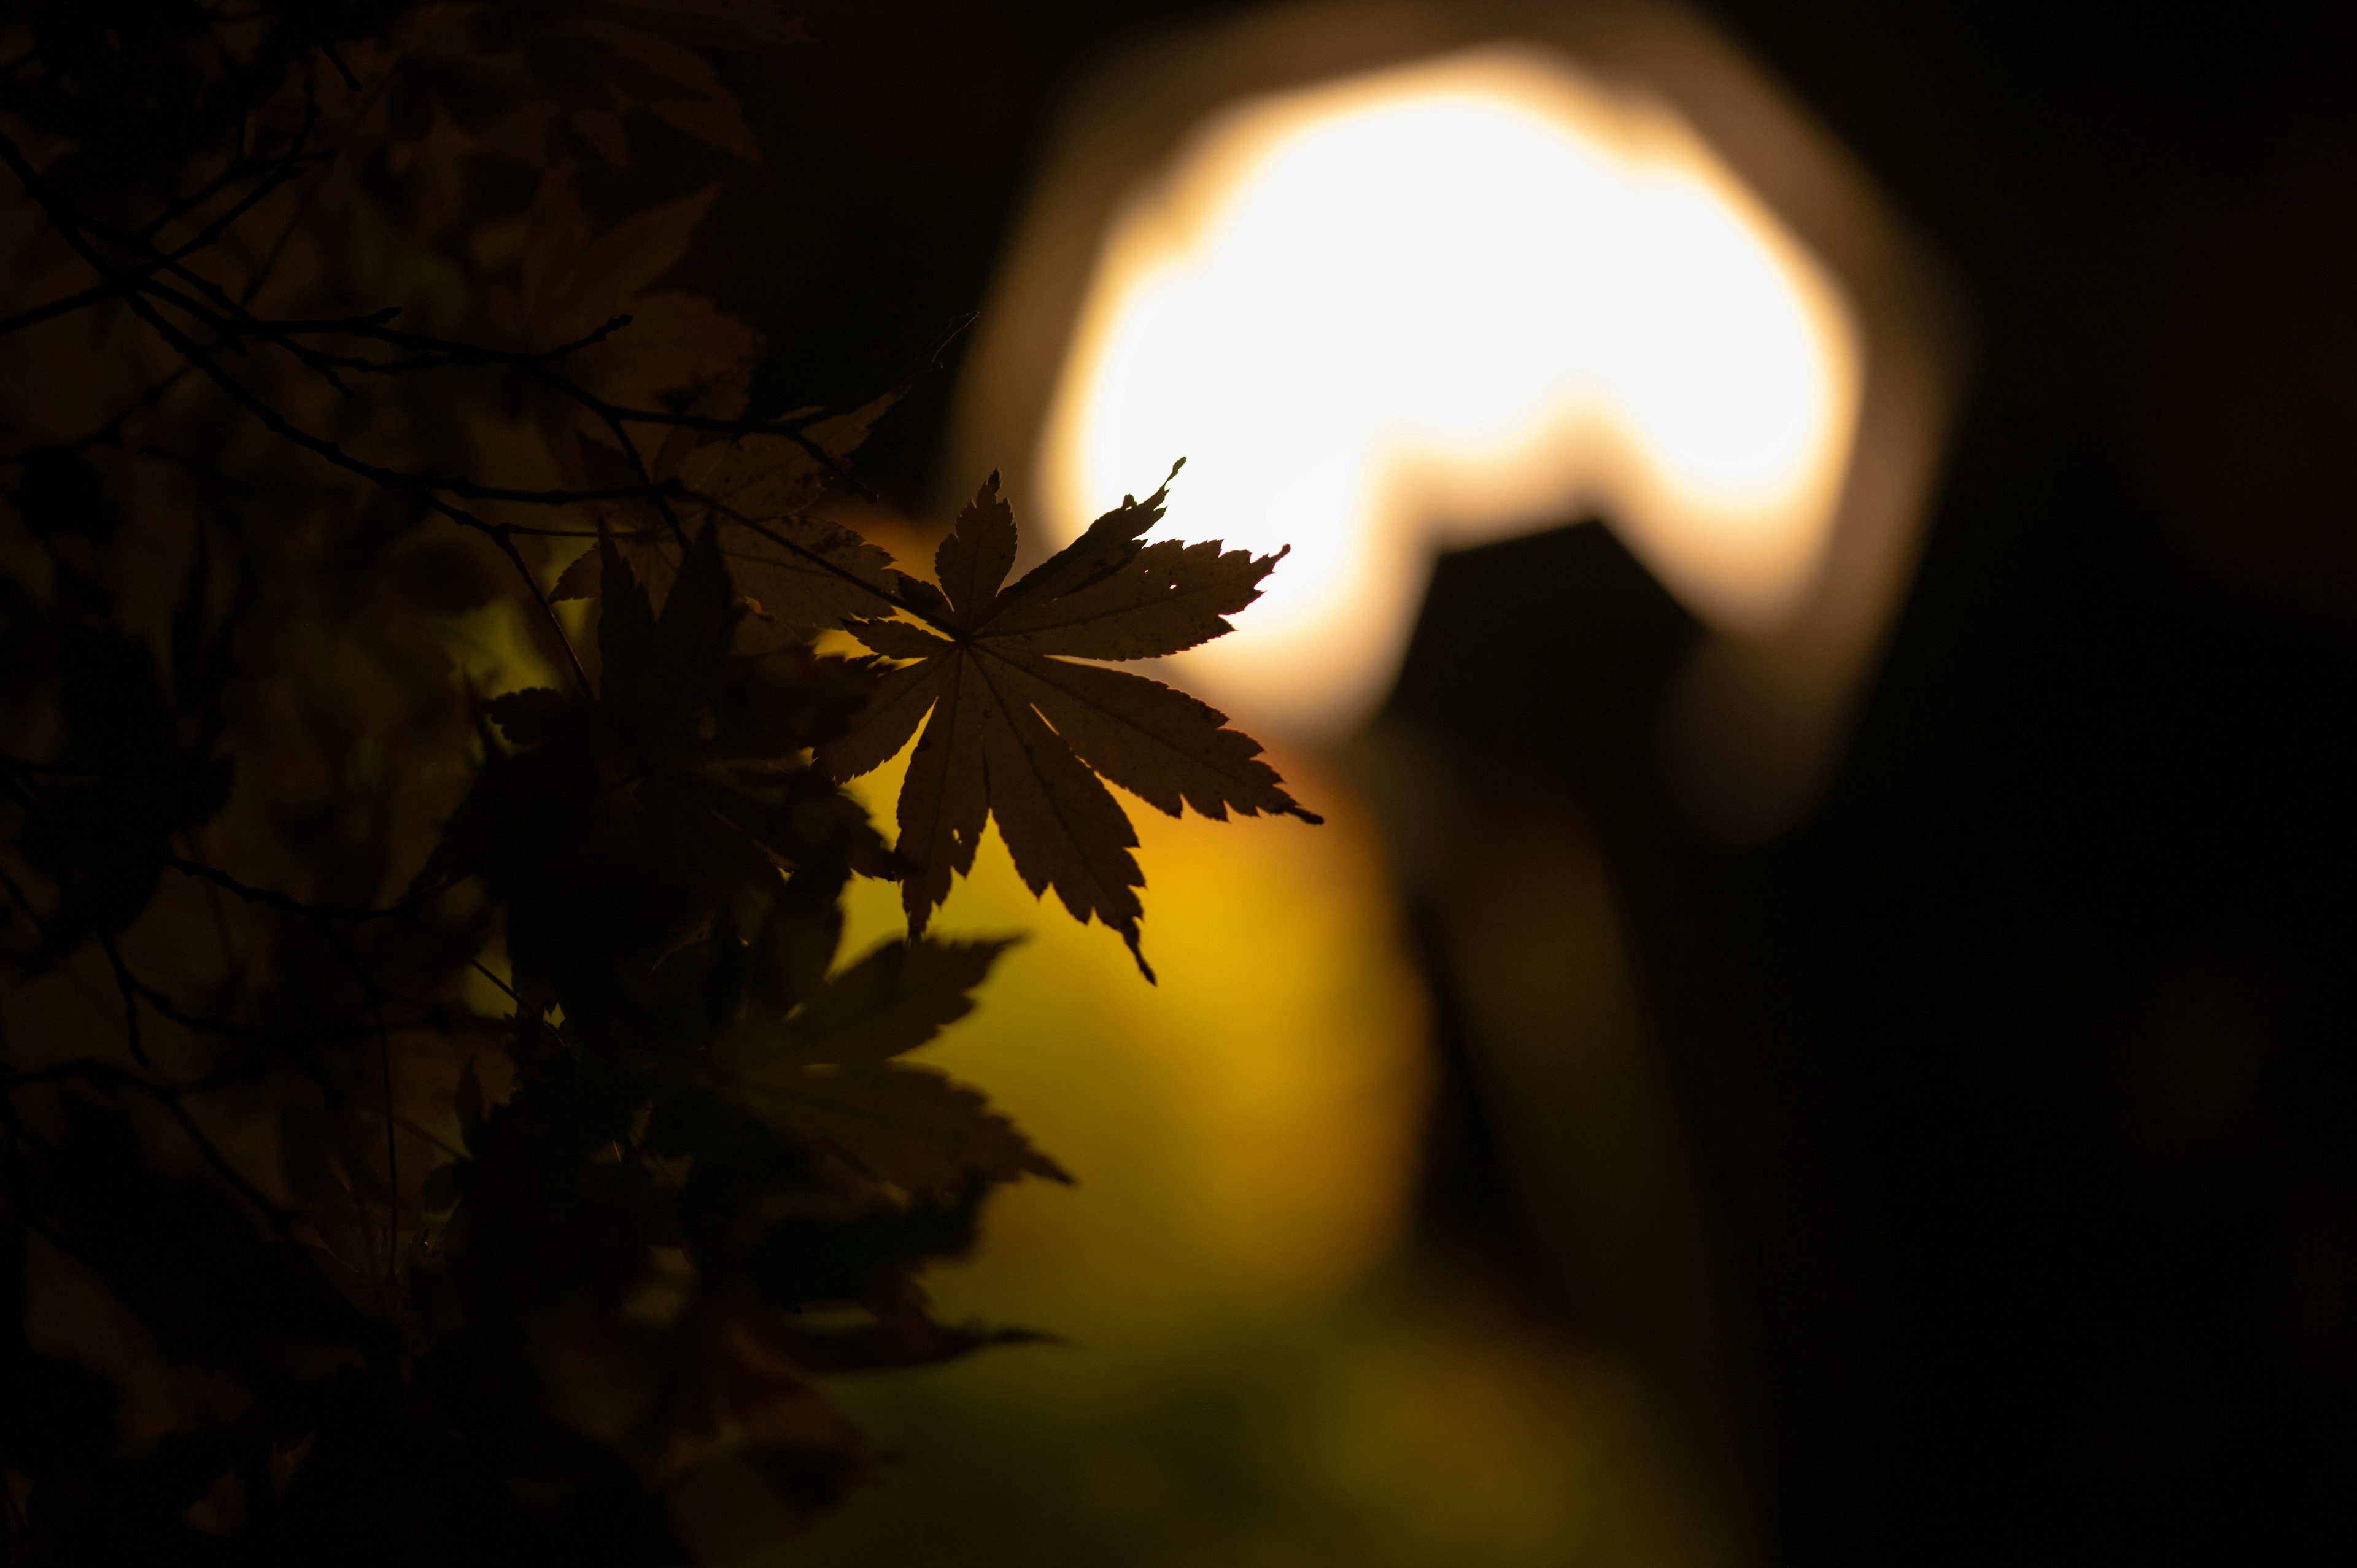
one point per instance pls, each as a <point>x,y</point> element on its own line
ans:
<point>438,1127</point>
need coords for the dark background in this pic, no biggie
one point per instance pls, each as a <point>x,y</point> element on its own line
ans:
<point>2023,1068</point>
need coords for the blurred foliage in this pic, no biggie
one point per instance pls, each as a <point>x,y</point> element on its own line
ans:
<point>441,1124</point>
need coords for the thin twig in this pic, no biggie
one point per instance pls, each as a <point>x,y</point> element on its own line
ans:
<point>167,1095</point>
<point>130,990</point>
<point>313,912</point>
<point>205,237</point>
<point>483,969</point>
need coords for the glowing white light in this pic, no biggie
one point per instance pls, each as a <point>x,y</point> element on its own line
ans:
<point>1442,304</point>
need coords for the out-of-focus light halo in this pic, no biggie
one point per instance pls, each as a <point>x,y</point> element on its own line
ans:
<point>1444,302</point>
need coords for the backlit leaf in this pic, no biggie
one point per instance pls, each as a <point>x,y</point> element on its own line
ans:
<point>827,1077</point>
<point>1016,734</point>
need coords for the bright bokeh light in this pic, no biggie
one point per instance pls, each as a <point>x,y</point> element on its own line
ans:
<point>1438,305</point>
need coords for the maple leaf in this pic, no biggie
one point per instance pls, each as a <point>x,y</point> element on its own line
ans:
<point>827,1076</point>
<point>627,823</point>
<point>1019,733</point>
<point>795,575</point>
<point>519,71</point>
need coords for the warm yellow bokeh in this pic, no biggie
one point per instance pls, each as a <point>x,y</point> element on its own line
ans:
<point>1260,1370</point>
<point>1247,1126</point>
<point>491,652</point>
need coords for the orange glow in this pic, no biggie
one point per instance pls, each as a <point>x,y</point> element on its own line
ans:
<point>1440,304</point>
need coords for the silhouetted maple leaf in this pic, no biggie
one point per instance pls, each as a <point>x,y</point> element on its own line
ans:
<point>827,1074</point>
<point>794,574</point>
<point>629,821</point>
<point>1020,733</point>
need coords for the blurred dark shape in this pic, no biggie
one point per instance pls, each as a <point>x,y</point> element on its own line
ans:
<point>1548,655</point>
<point>2019,1075</point>
<point>1527,708</point>
<point>2252,406</point>
<point>1517,604</point>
